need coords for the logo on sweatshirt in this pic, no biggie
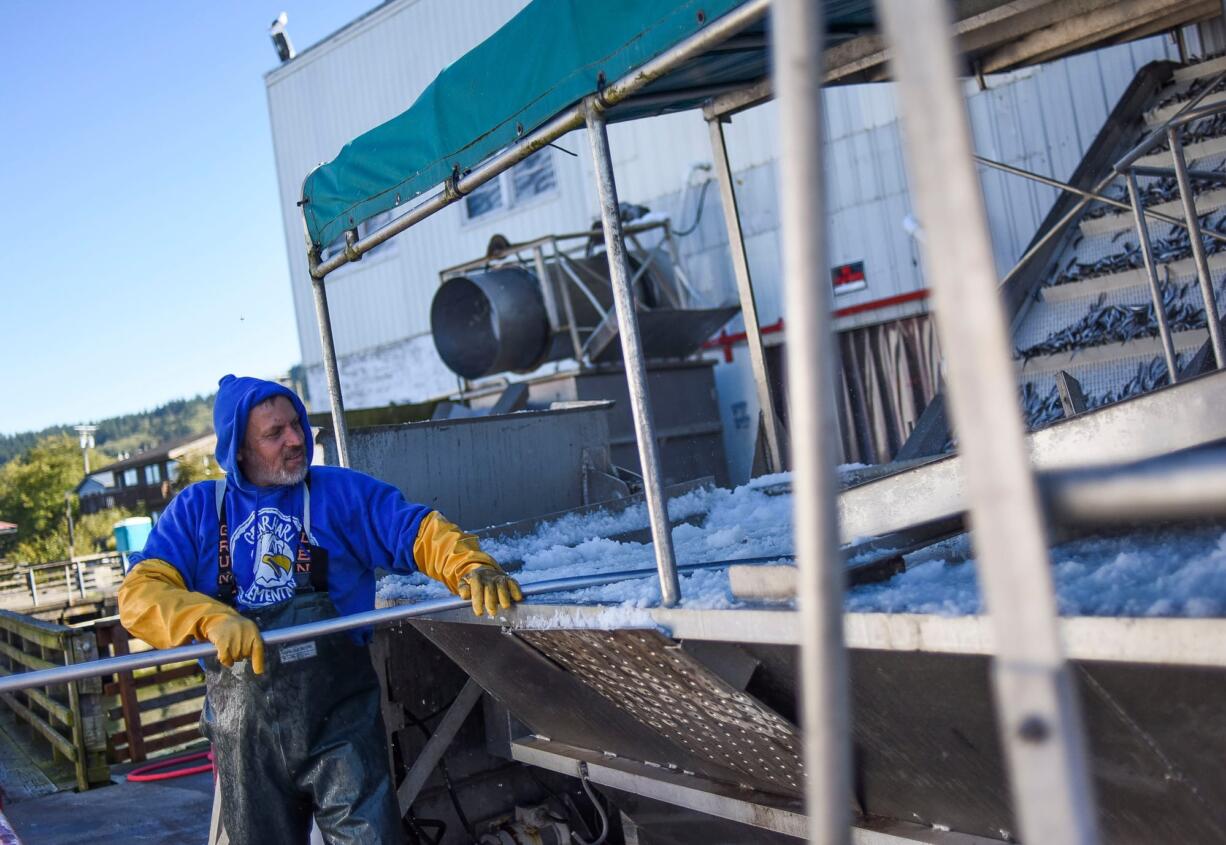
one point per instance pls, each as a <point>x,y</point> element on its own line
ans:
<point>268,539</point>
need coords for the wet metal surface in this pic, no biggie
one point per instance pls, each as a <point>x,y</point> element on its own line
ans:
<point>662,686</point>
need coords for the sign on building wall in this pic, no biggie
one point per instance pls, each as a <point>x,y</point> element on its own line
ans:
<point>848,277</point>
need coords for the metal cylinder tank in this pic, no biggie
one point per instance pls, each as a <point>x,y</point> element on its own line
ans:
<point>490,322</point>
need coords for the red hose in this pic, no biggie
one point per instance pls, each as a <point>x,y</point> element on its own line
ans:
<point>149,772</point>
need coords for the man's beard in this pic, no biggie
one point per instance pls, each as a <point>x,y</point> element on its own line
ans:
<point>286,477</point>
<point>270,476</point>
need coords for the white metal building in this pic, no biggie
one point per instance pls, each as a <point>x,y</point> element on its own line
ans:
<point>1040,119</point>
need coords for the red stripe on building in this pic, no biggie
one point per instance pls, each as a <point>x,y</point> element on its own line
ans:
<point>726,341</point>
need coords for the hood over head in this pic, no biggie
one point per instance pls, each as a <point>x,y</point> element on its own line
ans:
<point>236,396</point>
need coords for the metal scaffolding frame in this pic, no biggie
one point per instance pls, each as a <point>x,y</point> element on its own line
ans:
<point>1039,715</point>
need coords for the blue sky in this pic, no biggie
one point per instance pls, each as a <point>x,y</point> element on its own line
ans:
<point>144,255</point>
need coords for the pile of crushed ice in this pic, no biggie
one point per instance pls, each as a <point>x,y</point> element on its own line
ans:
<point>1158,572</point>
<point>741,523</point>
<point>1152,572</point>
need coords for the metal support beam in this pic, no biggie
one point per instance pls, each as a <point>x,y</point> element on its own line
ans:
<point>689,791</point>
<point>749,305</point>
<point>436,745</point>
<point>331,371</point>
<point>701,795</point>
<point>1151,276</point>
<point>632,355</point>
<point>542,275</point>
<point>798,31</point>
<point>1040,724</point>
<point>568,306</point>
<point>1198,246</point>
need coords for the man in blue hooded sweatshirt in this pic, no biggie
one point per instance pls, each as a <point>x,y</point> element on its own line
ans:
<point>296,731</point>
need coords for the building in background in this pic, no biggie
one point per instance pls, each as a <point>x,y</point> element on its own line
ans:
<point>145,481</point>
<point>1041,119</point>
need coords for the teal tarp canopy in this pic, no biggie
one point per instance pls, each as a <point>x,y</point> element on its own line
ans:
<point>549,56</point>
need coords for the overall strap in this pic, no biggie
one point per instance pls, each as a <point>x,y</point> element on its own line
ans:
<point>311,565</point>
<point>227,587</point>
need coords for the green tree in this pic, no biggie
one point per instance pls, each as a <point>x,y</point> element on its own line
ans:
<point>95,532</point>
<point>33,491</point>
<point>195,468</point>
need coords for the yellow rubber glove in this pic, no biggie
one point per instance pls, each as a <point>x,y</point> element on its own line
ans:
<point>489,588</point>
<point>156,606</point>
<point>444,552</point>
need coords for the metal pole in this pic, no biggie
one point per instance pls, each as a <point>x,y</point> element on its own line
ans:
<point>1198,247</point>
<point>749,305</point>
<point>1035,696</point>
<point>632,355</point>
<point>80,578</point>
<point>797,33</point>
<point>568,308</point>
<point>72,543</point>
<point>324,318</point>
<point>335,625</point>
<point>33,587</point>
<point>674,255</point>
<point>1151,273</point>
<point>551,305</point>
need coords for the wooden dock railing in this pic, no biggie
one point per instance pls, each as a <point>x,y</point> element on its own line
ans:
<point>78,579</point>
<point>69,717</point>
<point>152,710</point>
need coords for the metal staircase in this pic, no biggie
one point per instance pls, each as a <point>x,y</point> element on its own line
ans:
<point>1092,314</point>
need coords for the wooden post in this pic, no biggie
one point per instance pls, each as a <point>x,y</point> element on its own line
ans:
<point>127,699</point>
<point>89,719</point>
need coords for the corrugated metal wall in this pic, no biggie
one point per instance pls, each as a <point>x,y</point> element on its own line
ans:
<point>1040,118</point>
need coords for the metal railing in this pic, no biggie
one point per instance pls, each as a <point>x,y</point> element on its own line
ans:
<point>1128,169</point>
<point>62,581</point>
<point>1172,131</point>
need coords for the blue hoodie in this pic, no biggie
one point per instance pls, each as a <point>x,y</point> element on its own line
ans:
<point>362,522</point>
